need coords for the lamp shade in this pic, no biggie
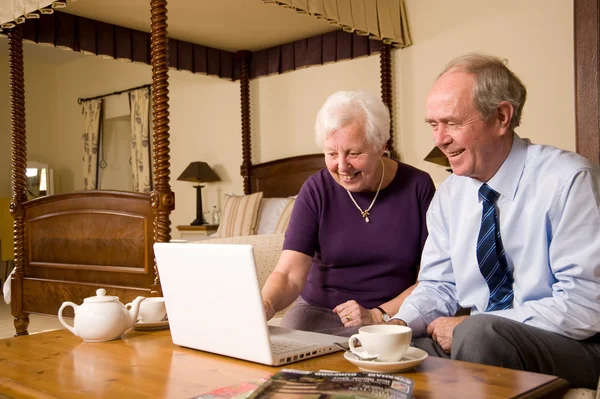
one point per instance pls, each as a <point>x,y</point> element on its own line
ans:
<point>437,156</point>
<point>199,172</point>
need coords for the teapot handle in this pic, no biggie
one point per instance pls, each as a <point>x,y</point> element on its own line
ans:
<point>60,315</point>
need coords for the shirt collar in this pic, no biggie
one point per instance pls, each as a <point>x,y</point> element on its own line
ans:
<point>506,180</point>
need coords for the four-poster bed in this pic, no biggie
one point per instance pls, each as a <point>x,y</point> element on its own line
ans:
<point>68,245</point>
<point>284,177</point>
<point>44,277</point>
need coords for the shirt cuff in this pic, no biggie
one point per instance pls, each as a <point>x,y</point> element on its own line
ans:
<point>411,316</point>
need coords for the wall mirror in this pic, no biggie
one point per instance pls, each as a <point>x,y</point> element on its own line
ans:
<point>40,180</point>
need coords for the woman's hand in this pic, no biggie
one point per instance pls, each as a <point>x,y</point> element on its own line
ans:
<point>286,282</point>
<point>269,311</point>
<point>352,314</point>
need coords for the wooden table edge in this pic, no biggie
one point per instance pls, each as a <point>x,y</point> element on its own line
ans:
<point>555,388</point>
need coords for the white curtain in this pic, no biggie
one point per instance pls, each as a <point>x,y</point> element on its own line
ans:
<point>15,11</point>
<point>92,110</point>
<point>139,101</point>
<point>385,20</point>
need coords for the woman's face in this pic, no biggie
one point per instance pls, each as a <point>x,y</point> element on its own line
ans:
<point>351,160</point>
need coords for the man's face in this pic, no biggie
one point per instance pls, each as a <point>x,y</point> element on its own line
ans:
<point>472,145</point>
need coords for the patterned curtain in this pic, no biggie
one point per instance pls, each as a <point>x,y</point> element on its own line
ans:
<point>139,102</point>
<point>92,111</point>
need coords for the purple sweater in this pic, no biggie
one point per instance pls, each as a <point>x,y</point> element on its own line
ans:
<point>368,262</point>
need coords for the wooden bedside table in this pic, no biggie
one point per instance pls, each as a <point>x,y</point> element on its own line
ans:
<point>197,233</point>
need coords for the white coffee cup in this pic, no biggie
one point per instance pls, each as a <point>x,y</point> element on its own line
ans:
<point>152,310</point>
<point>388,342</point>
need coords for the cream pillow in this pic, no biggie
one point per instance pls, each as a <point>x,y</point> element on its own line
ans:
<point>284,219</point>
<point>240,215</point>
<point>269,213</point>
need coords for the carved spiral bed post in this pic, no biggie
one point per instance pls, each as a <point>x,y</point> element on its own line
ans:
<point>386,91</point>
<point>162,198</point>
<point>244,59</point>
<point>19,179</point>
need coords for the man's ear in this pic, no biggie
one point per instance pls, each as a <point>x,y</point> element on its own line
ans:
<point>504,114</point>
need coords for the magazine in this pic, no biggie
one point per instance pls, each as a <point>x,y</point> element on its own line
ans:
<point>237,391</point>
<point>299,384</point>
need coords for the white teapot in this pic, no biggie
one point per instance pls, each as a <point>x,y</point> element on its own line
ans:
<point>101,317</point>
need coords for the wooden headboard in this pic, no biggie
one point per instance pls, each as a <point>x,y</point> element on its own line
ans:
<point>284,177</point>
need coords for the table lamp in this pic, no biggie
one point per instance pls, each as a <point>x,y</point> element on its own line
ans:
<point>199,172</point>
<point>438,157</point>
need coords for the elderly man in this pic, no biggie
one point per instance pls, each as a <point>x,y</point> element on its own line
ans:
<point>514,236</point>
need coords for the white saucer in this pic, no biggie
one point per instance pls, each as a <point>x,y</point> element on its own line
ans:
<point>412,358</point>
<point>155,325</point>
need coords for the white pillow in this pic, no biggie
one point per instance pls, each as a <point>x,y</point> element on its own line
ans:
<point>286,215</point>
<point>270,211</point>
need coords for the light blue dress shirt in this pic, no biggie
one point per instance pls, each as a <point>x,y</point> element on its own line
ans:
<point>549,218</point>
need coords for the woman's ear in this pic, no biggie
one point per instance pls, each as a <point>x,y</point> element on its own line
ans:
<point>383,151</point>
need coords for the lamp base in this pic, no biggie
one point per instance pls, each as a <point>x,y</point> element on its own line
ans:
<point>197,223</point>
<point>199,214</point>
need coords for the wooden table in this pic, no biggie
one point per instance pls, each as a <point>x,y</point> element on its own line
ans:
<point>147,365</point>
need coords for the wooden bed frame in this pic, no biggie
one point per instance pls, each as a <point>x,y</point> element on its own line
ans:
<point>284,177</point>
<point>77,242</point>
<point>68,245</point>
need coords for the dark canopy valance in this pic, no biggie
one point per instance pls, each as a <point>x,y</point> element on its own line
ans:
<point>111,41</point>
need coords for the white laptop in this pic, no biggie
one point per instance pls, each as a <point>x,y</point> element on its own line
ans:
<point>214,304</point>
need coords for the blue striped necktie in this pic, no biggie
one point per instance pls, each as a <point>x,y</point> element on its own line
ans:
<point>490,254</point>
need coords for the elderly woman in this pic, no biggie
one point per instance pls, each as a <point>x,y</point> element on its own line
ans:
<point>353,246</point>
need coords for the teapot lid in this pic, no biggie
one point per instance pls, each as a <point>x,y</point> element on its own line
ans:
<point>101,297</point>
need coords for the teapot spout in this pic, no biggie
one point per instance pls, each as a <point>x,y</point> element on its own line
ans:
<point>133,309</point>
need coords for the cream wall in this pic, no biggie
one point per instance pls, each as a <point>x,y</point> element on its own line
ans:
<point>536,36</point>
<point>284,106</point>
<point>40,86</point>
<point>40,95</point>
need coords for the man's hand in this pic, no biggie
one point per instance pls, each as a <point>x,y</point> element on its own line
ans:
<point>441,330</point>
<point>352,314</point>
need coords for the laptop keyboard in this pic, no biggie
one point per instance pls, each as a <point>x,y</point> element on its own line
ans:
<point>280,345</point>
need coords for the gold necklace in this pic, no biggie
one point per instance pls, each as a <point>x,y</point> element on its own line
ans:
<point>365,213</point>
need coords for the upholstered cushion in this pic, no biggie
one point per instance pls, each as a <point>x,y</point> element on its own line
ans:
<point>240,215</point>
<point>269,213</point>
<point>266,247</point>
<point>284,218</point>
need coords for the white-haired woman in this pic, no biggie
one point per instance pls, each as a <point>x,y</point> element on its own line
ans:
<point>353,246</point>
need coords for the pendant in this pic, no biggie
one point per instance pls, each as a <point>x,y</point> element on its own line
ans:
<point>365,214</point>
